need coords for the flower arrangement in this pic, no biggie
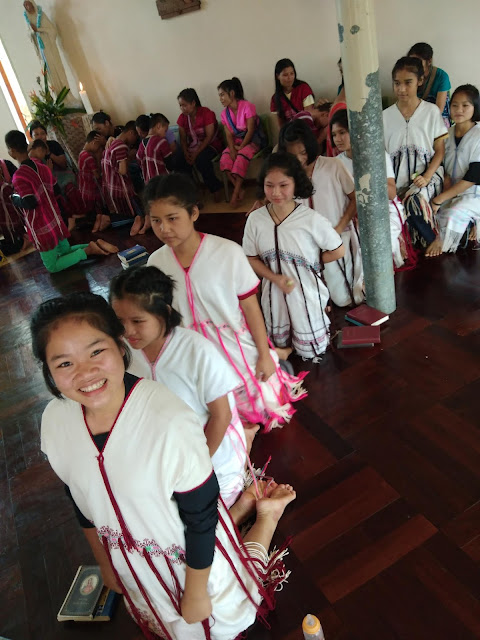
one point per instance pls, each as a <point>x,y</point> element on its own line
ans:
<point>47,109</point>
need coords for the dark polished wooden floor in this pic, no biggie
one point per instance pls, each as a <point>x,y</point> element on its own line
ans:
<point>384,454</point>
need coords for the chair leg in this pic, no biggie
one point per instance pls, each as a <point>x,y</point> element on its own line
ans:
<point>225,186</point>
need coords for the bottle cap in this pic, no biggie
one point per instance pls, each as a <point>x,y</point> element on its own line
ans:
<point>311,624</point>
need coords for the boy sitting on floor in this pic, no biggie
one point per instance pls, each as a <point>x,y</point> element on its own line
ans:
<point>35,188</point>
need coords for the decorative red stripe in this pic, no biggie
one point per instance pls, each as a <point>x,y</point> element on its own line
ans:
<point>143,592</point>
<point>135,612</point>
<point>252,292</point>
<point>198,486</point>
<point>175,603</point>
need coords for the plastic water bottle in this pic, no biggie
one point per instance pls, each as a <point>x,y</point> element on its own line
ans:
<point>312,629</point>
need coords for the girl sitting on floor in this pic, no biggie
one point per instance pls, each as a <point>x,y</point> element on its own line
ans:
<point>35,186</point>
<point>458,206</point>
<point>154,154</point>
<point>243,132</point>
<point>216,294</point>
<point>415,140</point>
<point>333,197</point>
<point>341,139</point>
<point>291,94</point>
<point>200,140</point>
<point>134,460</point>
<point>90,180</point>
<point>287,244</point>
<point>142,125</point>
<point>185,362</point>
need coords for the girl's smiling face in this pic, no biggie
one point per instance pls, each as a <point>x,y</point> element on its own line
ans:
<point>86,364</point>
<point>171,223</point>
<point>461,108</point>
<point>279,188</point>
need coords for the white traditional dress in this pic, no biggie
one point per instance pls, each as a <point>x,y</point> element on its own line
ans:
<point>293,248</point>
<point>410,146</point>
<point>208,295</point>
<point>332,184</point>
<point>396,213</point>
<point>156,448</point>
<point>455,215</point>
<point>191,367</point>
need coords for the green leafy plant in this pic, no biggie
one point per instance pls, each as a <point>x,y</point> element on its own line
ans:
<point>48,110</point>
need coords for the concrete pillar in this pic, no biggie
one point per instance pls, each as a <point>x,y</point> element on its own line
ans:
<point>358,42</point>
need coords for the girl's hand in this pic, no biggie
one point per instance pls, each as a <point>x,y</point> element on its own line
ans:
<point>109,578</point>
<point>233,154</point>
<point>420,181</point>
<point>435,207</point>
<point>265,368</point>
<point>196,608</point>
<point>285,284</point>
<point>238,147</point>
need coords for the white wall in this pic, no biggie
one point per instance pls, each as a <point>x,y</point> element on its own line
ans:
<point>131,61</point>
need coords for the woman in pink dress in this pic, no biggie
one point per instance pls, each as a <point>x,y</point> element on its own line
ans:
<point>243,132</point>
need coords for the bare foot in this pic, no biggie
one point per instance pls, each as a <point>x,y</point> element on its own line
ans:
<point>283,352</point>
<point>106,246</point>
<point>98,221</point>
<point>146,226</point>
<point>94,250</point>
<point>434,249</point>
<point>137,225</point>
<point>105,222</point>
<point>244,507</point>
<point>250,433</point>
<point>71,224</point>
<point>26,243</point>
<point>274,506</point>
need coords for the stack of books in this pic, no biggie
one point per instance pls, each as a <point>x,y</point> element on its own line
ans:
<point>134,256</point>
<point>366,331</point>
<point>366,316</point>
<point>88,599</point>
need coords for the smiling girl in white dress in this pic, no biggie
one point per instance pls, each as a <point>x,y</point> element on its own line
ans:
<point>135,461</point>
<point>287,245</point>
<point>459,204</point>
<point>185,362</point>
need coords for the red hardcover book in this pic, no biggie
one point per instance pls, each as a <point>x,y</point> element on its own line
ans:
<point>360,335</point>
<point>367,316</point>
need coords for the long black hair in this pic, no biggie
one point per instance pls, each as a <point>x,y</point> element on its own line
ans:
<point>282,64</point>
<point>190,96</point>
<point>82,305</point>
<point>411,64</point>
<point>150,289</point>
<point>299,131</point>
<point>291,167</point>
<point>234,85</point>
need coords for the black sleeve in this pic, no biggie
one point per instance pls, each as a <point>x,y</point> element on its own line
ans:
<point>169,162</point>
<point>11,167</point>
<point>55,148</point>
<point>28,202</point>
<point>199,513</point>
<point>473,173</point>
<point>84,522</point>
<point>56,189</point>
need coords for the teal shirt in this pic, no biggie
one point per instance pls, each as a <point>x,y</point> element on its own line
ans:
<point>440,83</point>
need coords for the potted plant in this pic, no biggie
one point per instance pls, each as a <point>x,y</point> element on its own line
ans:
<point>56,117</point>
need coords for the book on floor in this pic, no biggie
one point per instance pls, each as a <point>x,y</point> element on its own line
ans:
<point>351,337</point>
<point>365,315</point>
<point>133,252</point>
<point>88,599</point>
